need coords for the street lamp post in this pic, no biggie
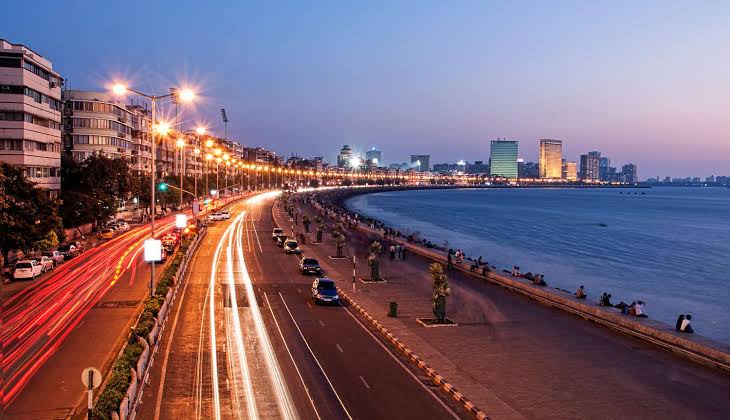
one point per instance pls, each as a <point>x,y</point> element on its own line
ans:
<point>208,158</point>
<point>181,147</point>
<point>187,96</point>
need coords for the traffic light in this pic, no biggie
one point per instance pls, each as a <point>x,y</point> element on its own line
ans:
<point>162,186</point>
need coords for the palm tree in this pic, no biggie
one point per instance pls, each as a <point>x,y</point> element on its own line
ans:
<point>320,228</point>
<point>373,262</point>
<point>440,291</point>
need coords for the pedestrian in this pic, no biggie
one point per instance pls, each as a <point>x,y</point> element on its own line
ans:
<point>678,325</point>
<point>392,252</point>
<point>403,253</point>
<point>686,326</point>
<point>397,252</point>
<point>449,262</point>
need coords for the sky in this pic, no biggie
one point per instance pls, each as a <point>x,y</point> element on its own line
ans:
<point>641,81</point>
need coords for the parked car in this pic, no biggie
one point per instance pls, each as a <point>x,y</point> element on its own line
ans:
<point>324,290</point>
<point>46,263</point>
<point>281,240</point>
<point>292,247</point>
<point>107,233</point>
<point>214,217</point>
<point>276,233</point>
<point>123,226</point>
<point>27,269</point>
<point>56,256</point>
<point>79,246</point>
<point>68,250</point>
<point>310,266</point>
<point>226,215</point>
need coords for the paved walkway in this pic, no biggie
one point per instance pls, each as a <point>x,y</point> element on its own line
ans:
<point>516,358</point>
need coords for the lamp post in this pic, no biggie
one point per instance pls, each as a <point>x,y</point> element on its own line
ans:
<point>208,158</point>
<point>217,172</point>
<point>181,146</point>
<point>184,95</point>
<point>196,153</point>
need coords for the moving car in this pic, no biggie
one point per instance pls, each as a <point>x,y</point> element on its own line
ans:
<point>68,250</point>
<point>324,290</point>
<point>310,266</point>
<point>225,215</point>
<point>215,216</point>
<point>107,233</point>
<point>56,256</point>
<point>276,233</point>
<point>292,247</point>
<point>169,242</point>
<point>27,269</point>
<point>46,263</point>
<point>281,240</point>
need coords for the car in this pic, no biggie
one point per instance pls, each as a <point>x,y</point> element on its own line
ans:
<point>310,266</point>
<point>292,247</point>
<point>215,216</point>
<point>324,290</point>
<point>56,256</point>
<point>68,250</point>
<point>281,240</point>
<point>46,263</point>
<point>122,226</point>
<point>79,246</point>
<point>27,269</point>
<point>276,233</point>
<point>107,233</point>
<point>226,215</point>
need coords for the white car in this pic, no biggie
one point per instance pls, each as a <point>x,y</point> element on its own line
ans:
<point>226,215</point>
<point>276,233</point>
<point>292,247</point>
<point>46,263</point>
<point>122,226</point>
<point>27,269</point>
<point>215,216</point>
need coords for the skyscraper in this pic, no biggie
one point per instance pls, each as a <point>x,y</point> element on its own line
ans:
<point>374,156</point>
<point>503,158</point>
<point>589,166</point>
<point>629,173</point>
<point>343,159</point>
<point>421,162</point>
<point>570,170</point>
<point>551,155</point>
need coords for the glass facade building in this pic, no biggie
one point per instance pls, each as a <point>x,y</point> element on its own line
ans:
<point>503,158</point>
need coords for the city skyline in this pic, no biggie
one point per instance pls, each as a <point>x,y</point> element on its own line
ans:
<point>319,84</point>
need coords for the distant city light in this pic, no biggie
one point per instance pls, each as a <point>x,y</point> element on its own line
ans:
<point>355,162</point>
<point>461,162</point>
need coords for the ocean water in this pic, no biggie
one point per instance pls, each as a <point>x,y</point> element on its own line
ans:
<point>669,247</point>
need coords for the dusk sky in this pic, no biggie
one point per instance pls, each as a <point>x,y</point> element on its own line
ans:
<point>643,82</point>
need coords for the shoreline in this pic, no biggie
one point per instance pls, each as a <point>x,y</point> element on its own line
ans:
<point>694,346</point>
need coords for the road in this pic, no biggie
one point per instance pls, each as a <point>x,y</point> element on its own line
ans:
<point>48,326</point>
<point>246,341</point>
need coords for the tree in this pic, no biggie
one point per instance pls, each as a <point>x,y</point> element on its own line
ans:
<point>440,291</point>
<point>339,236</point>
<point>375,249</point>
<point>306,221</point>
<point>27,215</point>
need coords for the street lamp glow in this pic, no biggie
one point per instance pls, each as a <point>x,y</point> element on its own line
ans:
<point>200,130</point>
<point>217,151</point>
<point>355,162</point>
<point>187,95</point>
<point>226,156</point>
<point>119,89</point>
<point>162,128</point>
<point>209,157</point>
<point>196,151</point>
<point>209,143</point>
<point>180,143</point>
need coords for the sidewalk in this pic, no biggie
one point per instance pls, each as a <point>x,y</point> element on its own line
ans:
<point>515,358</point>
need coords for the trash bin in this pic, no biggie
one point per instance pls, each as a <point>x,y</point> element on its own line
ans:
<point>393,313</point>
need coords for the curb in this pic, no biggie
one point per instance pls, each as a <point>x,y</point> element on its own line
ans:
<point>437,379</point>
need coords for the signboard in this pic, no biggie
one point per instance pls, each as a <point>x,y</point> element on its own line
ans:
<point>93,374</point>
<point>152,250</point>
<point>181,220</point>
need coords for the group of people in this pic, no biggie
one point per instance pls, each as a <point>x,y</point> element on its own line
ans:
<point>536,279</point>
<point>636,308</point>
<point>684,324</point>
<point>397,252</point>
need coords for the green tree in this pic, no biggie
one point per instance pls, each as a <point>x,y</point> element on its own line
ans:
<point>440,291</point>
<point>375,249</point>
<point>27,215</point>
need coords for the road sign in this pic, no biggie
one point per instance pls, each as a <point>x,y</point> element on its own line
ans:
<point>152,250</point>
<point>181,220</point>
<point>94,374</point>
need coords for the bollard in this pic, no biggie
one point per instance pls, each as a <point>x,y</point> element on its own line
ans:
<point>393,313</point>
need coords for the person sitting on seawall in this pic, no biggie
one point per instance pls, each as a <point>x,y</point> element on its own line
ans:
<point>637,309</point>
<point>580,293</point>
<point>539,280</point>
<point>605,299</point>
<point>516,271</point>
<point>684,324</point>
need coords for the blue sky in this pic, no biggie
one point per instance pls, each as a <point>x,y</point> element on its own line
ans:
<point>646,82</point>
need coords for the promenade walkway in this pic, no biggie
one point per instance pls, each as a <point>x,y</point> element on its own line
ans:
<point>516,358</point>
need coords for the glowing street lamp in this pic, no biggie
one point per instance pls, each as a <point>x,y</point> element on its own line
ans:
<point>209,143</point>
<point>200,130</point>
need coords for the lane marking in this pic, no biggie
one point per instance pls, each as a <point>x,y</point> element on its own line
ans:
<point>309,305</point>
<point>332,387</point>
<point>364,382</point>
<point>415,378</point>
<point>339,348</point>
<point>321,323</point>
<point>281,334</point>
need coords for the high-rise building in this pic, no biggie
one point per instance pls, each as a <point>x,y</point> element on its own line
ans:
<point>343,159</point>
<point>421,162</point>
<point>30,115</point>
<point>589,165</point>
<point>551,155</point>
<point>503,158</point>
<point>374,157</point>
<point>629,173</point>
<point>570,170</point>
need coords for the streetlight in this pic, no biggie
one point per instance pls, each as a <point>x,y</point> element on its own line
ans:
<point>217,172</point>
<point>208,158</point>
<point>186,95</point>
<point>196,153</point>
<point>181,145</point>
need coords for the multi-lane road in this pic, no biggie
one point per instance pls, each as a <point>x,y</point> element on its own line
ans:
<point>246,341</point>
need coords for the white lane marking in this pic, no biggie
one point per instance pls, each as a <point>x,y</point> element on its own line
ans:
<point>256,234</point>
<point>364,382</point>
<point>281,334</point>
<point>332,387</point>
<point>321,323</point>
<point>310,306</point>
<point>415,378</point>
<point>339,348</point>
<point>286,406</point>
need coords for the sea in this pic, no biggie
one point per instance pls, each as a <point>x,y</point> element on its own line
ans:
<point>667,246</point>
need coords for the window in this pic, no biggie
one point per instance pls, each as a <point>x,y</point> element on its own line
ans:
<point>38,71</point>
<point>11,116</point>
<point>9,60</point>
